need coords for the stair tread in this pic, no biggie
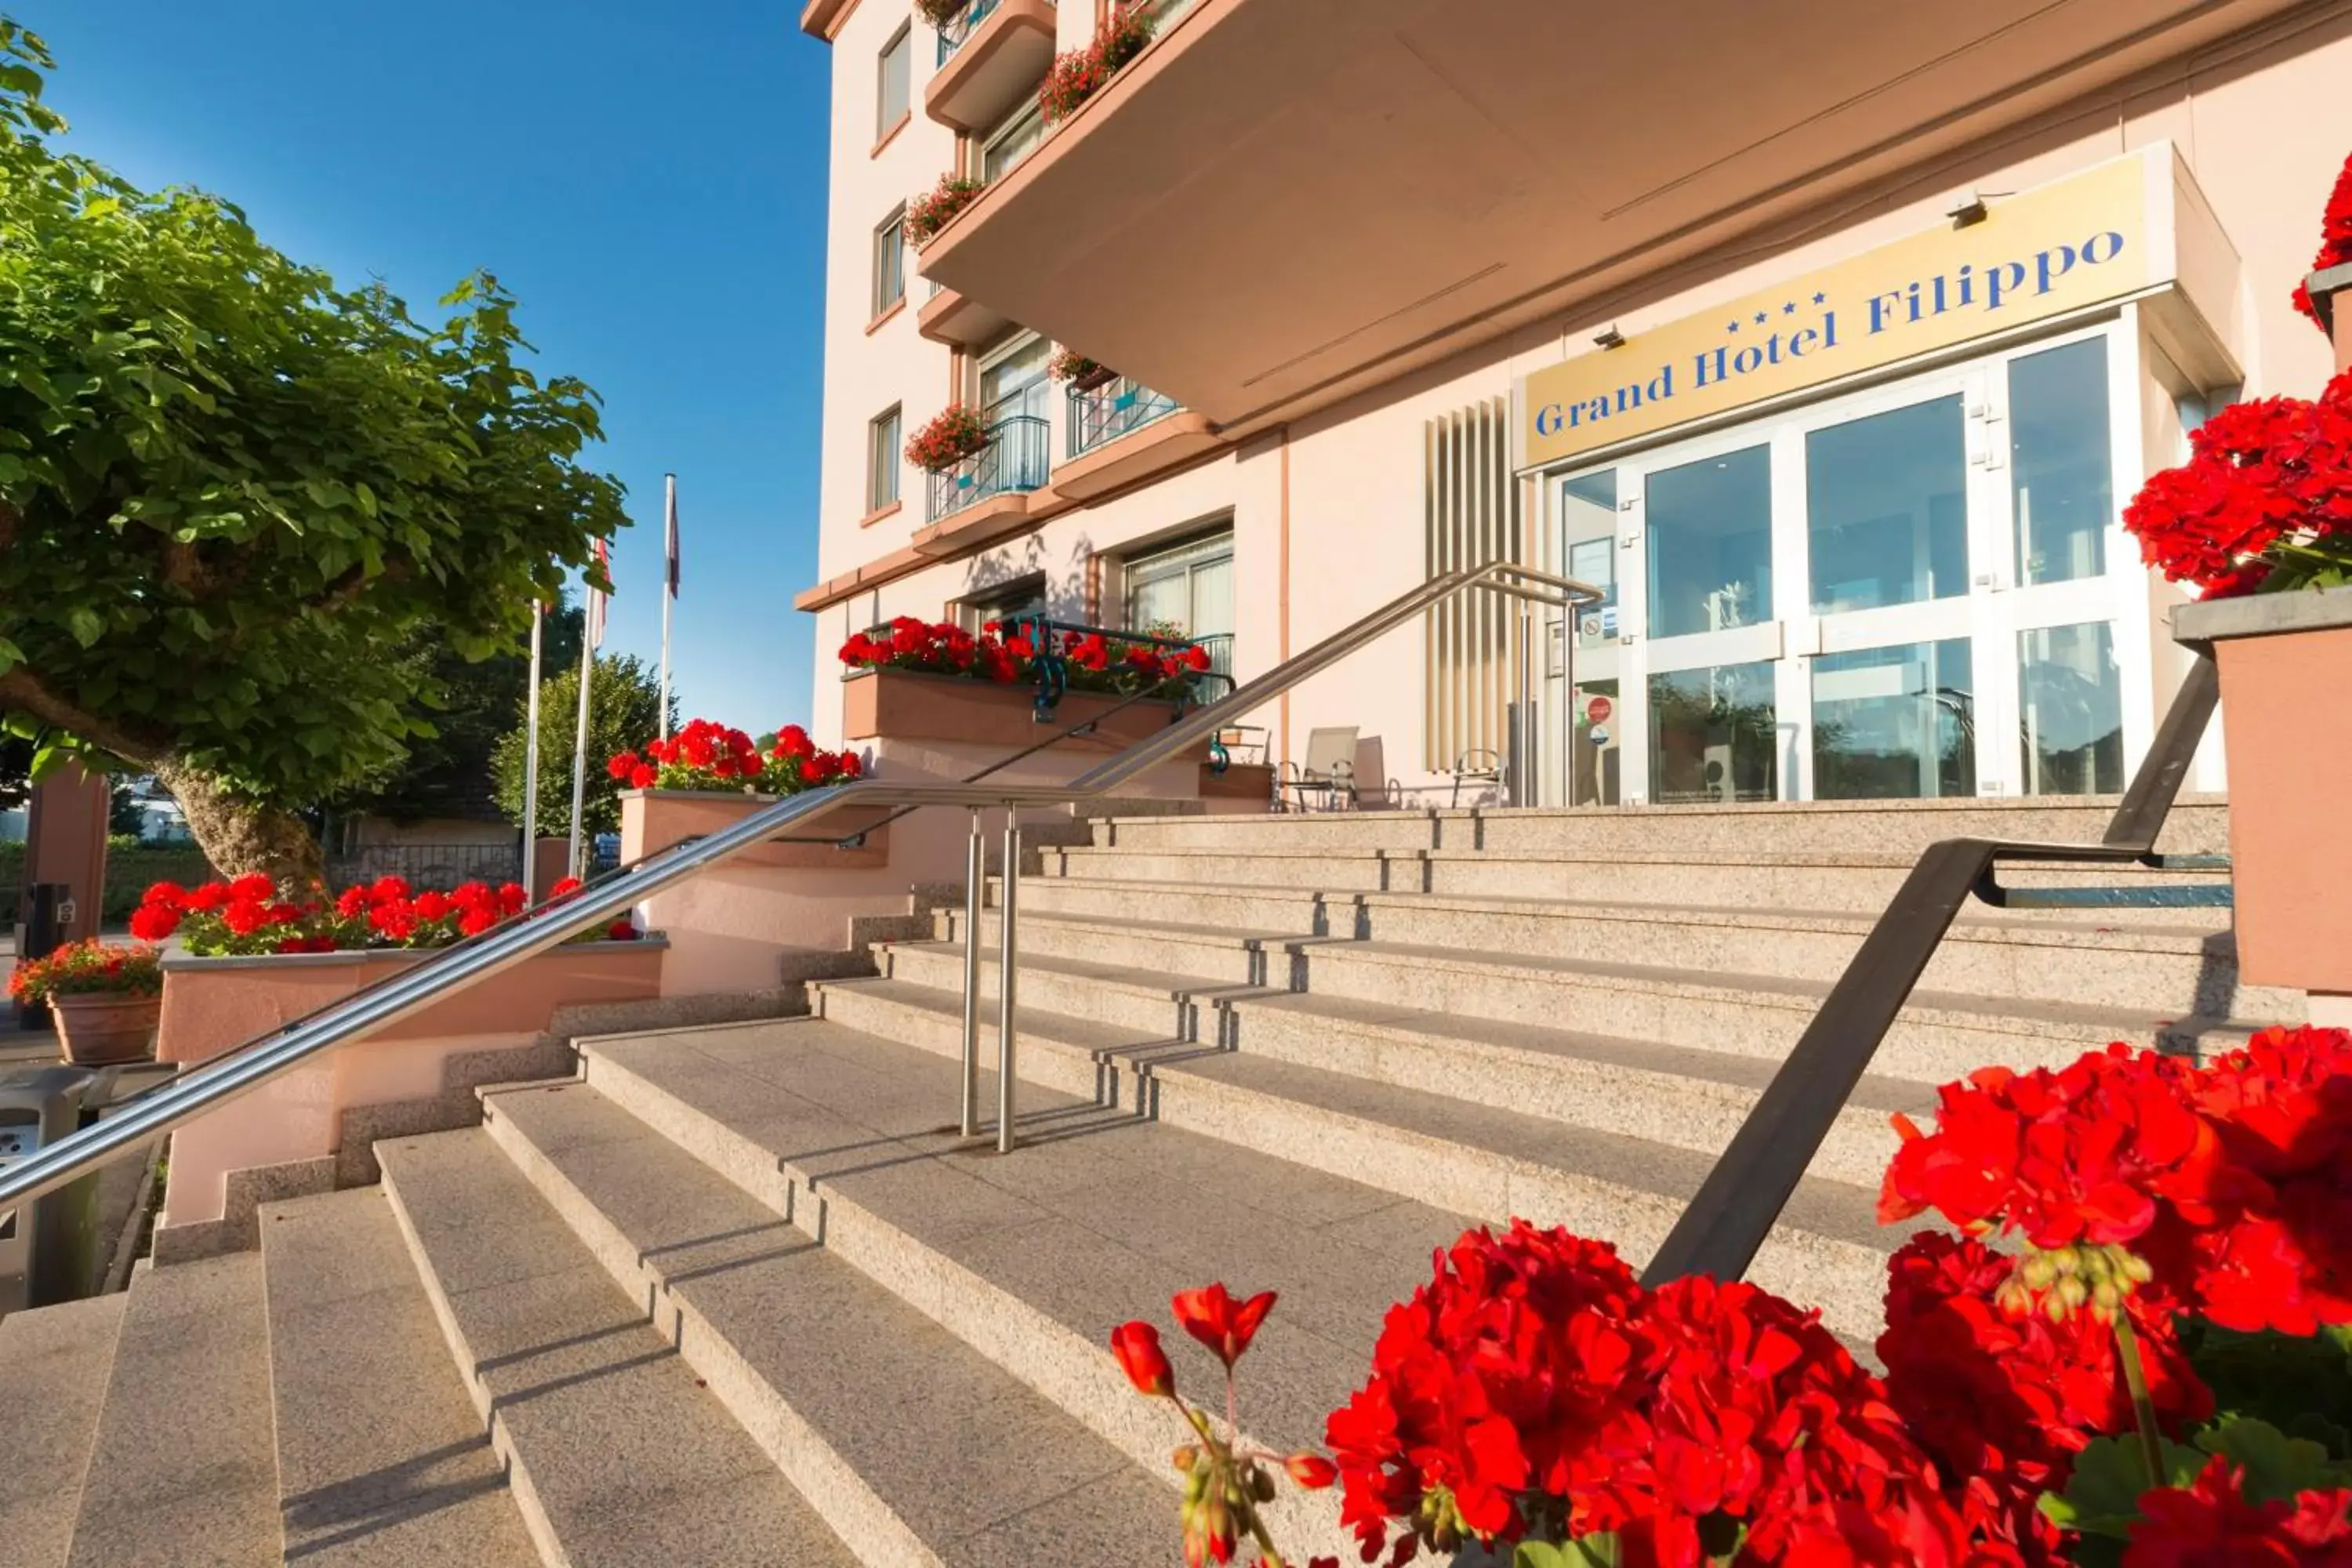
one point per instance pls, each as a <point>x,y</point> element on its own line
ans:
<point>183,1468</point>
<point>56,1361</point>
<point>2086,1020</point>
<point>1876,1091</point>
<point>1099,1219</point>
<point>907,1406</point>
<point>627,1462</point>
<point>1830,859</point>
<point>381,1457</point>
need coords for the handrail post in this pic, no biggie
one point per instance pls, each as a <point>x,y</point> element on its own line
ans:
<point>1007,948</point>
<point>975,896</point>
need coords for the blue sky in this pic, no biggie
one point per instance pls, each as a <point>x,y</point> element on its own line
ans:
<point>648,179</point>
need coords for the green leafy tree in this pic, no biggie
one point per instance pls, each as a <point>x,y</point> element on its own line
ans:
<point>624,713</point>
<point>230,490</point>
<point>450,773</point>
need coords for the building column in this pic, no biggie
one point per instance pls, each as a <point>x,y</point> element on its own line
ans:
<point>65,841</point>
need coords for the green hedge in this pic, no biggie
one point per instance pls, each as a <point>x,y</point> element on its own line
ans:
<point>129,873</point>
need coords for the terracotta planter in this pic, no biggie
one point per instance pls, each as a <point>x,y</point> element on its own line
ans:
<point>99,1028</point>
<point>654,819</point>
<point>1100,376</point>
<point>900,705</point>
<point>2285,663</point>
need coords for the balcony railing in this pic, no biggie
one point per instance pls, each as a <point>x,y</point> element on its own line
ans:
<point>1015,459</point>
<point>957,30</point>
<point>1106,412</point>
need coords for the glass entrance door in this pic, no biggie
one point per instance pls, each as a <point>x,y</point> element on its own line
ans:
<point>1911,593</point>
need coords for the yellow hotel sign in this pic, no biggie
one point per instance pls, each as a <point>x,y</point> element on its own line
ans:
<point>2058,248</point>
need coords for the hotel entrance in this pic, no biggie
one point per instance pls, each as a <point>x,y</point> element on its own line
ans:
<point>1906,592</point>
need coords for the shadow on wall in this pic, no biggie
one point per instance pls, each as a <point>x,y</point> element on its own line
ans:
<point>1064,590</point>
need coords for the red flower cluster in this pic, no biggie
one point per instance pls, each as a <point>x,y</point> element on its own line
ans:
<point>2233,1181</point>
<point>88,968</point>
<point>931,212</point>
<point>1092,661</point>
<point>1532,1382</point>
<point>2261,475</point>
<point>2004,1402</point>
<point>2211,1525</point>
<point>1076,74</point>
<point>2335,239</point>
<point>708,756</point>
<point>251,914</point>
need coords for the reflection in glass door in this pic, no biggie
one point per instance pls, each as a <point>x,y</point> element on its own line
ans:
<point>1588,545</point>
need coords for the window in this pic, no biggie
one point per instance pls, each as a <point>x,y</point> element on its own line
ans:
<point>2060,462</point>
<point>1887,508</point>
<point>1710,526</point>
<point>1013,379</point>
<point>2072,702</point>
<point>882,462</point>
<point>1005,601</point>
<point>1010,142</point>
<point>890,262</point>
<point>1894,723</point>
<point>891,100</point>
<point>1187,590</point>
<point>1713,735</point>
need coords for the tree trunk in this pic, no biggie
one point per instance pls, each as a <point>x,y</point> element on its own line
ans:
<point>239,835</point>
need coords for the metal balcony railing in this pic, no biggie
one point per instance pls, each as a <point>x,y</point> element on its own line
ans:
<point>957,30</point>
<point>1015,459</point>
<point>1106,412</point>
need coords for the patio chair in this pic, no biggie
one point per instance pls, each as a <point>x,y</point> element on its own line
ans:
<point>1328,774</point>
<point>1479,764</point>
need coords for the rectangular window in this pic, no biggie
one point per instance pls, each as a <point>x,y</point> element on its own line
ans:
<point>1187,592</point>
<point>1010,142</point>
<point>2071,704</point>
<point>882,461</point>
<point>1006,601</point>
<point>1710,526</point>
<point>1894,723</point>
<point>1588,518</point>
<point>890,263</point>
<point>1887,508</point>
<point>2060,462</point>
<point>891,97</point>
<point>1714,735</point>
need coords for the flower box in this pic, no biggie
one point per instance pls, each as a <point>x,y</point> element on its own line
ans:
<point>212,1005</point>
<point>653,819</point>
<point>96,1029</point>
<point>906,705</point>
<point>2285,663</point>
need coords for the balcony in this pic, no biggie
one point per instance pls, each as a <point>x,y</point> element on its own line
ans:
<point>987,495</point>
<point>1122,433</point>
<point>1363,187</point>
<point>991,54</point>
<point>957,320</point>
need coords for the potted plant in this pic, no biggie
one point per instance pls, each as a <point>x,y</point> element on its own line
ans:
<point>1083,373</point>
<point>1077,75</point>
<point>928,213</point>
<point>104,1001</point>
<point>2261,519</point>
<point>939,13</point>
<point>911,679</point>
<point>957,435</point>
<point>2331,271</point>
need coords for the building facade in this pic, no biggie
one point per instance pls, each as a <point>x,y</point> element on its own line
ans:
<point>1829,348</point>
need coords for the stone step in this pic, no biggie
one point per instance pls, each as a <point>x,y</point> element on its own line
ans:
<point>381,1457</point>
<point>1688,1099</point>
<point>890,1422</point>
<point>1938,1037</point>
<point>2198,825</point>
<point>1852,884</point>
<point>183,1468</point>
<point>1034,1259</point>
<point>55,1362</point>
<point>2149,967</point>
<point>617,1457</point>
<point>1486,1161</point>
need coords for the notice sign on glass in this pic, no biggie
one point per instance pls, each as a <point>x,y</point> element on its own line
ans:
<point>2062,247</point>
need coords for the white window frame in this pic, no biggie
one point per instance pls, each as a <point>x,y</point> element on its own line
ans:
<point>901,48</point>
<point>883,461</point>
<point>890,262</point>
<point>1025,117</point>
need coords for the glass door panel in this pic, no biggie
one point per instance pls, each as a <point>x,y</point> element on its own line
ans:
<point>1714,735</point>
<point>1710,530</point>
<point>2061,462</point>
<point>1887,508</point>
<point>1894,723</point>
<point>2071,702</point>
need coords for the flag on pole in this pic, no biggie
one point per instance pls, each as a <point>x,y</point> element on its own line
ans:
<point>596,597</point>
<point>670,535</point>
<point>669,594</point>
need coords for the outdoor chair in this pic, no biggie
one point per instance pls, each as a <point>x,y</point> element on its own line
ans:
<point>1479,764</point>
<point>1327,776</point>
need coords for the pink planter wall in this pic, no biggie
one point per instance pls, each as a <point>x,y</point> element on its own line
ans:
<point>211,1004</point>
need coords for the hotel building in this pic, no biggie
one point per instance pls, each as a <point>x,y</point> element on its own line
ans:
<point>1831,339</point>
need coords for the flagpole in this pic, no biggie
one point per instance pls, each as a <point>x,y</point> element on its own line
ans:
<point>530,762</point>
<point>579,750</point>
<point>670,590</point>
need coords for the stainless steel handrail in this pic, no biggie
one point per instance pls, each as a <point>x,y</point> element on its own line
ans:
<point>501,948</point>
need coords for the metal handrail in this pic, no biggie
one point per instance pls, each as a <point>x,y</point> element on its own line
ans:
<point>458,968</point>
<point>1741,1199</point>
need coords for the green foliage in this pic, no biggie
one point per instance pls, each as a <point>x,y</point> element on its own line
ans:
<point>15,771</point>
<point>2101,1502</point>
<point>2302,1385</point>
<point>228,486</point>
<point>624,711</point>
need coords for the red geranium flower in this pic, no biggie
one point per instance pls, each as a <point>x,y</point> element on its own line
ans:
<point>253,885</point>
<point>1137,1347</point>
<point>1211,1316</point>
<point>623,763</point>
<point>2210,1524</point>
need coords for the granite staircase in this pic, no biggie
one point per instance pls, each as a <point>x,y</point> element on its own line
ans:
<point>739,1294</point>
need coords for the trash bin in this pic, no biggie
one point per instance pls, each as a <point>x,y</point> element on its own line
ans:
<point>48,1251</point>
